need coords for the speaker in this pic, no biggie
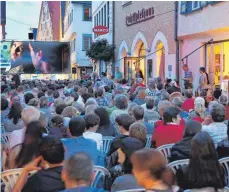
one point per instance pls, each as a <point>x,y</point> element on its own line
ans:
<point>73,70</point>
<point>30,36</point>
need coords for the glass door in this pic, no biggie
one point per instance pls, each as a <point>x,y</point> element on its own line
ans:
<point>215,63</point>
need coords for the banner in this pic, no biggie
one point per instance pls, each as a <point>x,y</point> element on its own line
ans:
<point>35,57</point>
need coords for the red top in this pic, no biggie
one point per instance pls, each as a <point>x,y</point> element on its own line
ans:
<point>198,119</point>
<point>160,123</point>
<point>188,104</point>
<point>167,134</point>
<point>227,112</point>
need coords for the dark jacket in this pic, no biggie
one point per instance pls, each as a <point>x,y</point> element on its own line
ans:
<point>173,89</point>
<point>106,130</point>
<point>181,150</point>
<point>223,148</point>
<point>115,144</point>
<point>48,180</point>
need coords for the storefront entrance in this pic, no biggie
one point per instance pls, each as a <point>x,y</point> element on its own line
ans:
<point>130,65</point>
<point>217,58</point>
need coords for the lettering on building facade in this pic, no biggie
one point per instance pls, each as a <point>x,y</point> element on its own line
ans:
<point>140,16</point>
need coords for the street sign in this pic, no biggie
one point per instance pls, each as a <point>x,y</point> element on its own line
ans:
<point>100,30</point>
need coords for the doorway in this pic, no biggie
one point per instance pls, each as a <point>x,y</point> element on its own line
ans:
<point>217,65</point>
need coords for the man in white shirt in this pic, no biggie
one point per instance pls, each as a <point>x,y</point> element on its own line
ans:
<point>92,123</point>
<point>217,129</point>
<point>28,115</point>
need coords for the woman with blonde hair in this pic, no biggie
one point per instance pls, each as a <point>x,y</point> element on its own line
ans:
<point>199,112</point>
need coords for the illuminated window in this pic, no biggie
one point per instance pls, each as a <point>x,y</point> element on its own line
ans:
<point>86,13</point>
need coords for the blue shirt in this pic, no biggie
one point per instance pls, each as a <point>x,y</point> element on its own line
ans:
<point>187,74</point>
<point>83,189</point>
<point>149,128</point>
<point>118,75</point>
<point>81,144</point>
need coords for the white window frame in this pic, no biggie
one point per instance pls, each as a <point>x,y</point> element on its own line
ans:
<point>193,3</point>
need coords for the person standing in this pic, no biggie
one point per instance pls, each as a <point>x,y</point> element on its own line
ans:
<point>187,77</point>
<point>139,73</point>
<point>118,74</point>
<point>203,81</point>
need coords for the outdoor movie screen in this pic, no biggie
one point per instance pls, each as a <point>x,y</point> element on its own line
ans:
<point>37,57</point>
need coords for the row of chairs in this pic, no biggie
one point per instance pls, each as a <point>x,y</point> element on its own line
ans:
<point>106,141</point>
<point>10,177</point>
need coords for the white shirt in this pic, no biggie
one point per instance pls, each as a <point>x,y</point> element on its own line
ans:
<point>217,131</point>
<point>97,137</point>
<point>80,100</point>
<point>16,137</point>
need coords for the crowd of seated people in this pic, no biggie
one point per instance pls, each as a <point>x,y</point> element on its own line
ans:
<point>57,128</point>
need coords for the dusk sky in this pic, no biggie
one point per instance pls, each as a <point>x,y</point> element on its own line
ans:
<point>26,12</point>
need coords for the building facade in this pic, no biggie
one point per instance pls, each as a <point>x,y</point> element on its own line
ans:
<point>78,30</point>
<point>49,27</point>
<point>203,27</point>
<point>102,15</point>
<point>144,38</point>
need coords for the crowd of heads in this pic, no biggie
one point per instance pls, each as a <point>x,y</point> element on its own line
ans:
<point>50,111</point>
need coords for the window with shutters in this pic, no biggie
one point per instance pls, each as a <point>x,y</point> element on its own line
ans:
<point>87,40</point>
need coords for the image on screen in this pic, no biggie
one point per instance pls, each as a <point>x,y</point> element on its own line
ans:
<point>35,57</point>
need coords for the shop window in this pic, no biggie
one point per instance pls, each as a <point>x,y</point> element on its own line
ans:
<point>87,40</point>
<point>86,13</point>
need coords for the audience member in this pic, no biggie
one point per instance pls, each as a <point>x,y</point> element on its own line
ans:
<point>123,123</point>
<point>57,127</point>
<point>150,171</point>
<point>105,127</point>
<point>13,120</point>
<point>171,131</point>
<point>199,112</point>
<point>188,103</point>
<point>126,148</point>
<point>48,166</point>
<point>138,112</point>
<point>217,129</point>
<point>24,152</point>
<point>150,115</point>
<point>138,130</point>
<point>204,170</point>
<point>28,115</point>
<point>77,174</point>
<point>92,124</point>
<point>182,149</point>
<point>77,143</point>
<point>223,146</point>
<point>4,109</point>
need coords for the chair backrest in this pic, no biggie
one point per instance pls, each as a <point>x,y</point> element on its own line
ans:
<point>99,173</point>
<point>106,143</point>
<point>148,140</point>
<point>10,177</point>
<point>165,150</point>
<point>175,165</point>
<point>133,190</point>
<point>226,189</point>
<point>225,163</point>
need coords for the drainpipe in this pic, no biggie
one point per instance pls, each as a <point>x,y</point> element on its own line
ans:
<point>176,40</point>
<point>113,35</point>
